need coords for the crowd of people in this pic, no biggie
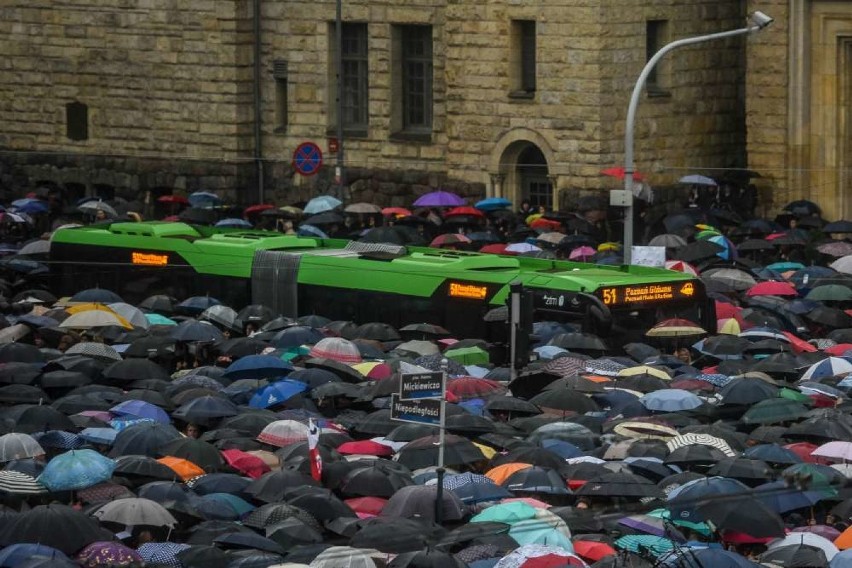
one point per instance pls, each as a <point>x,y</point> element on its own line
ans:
<point>183,432</point>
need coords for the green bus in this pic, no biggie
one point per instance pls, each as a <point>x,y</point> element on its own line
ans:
<point>365,282</point>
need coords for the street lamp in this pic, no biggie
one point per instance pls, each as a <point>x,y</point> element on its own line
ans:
<point>757,22</point>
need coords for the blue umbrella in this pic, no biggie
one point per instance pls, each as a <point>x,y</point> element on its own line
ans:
<point>239,505</point>
<point>197,304</point>
<point>76,469</point>
<point>296,336</point>
<point>37,321</point>
<point>103,436</point>
<point>233,223</point>
<point>772,453</point>
<point>59,439</point>
<point>705,557</point>
<point>16,554</point>
<point>257,367</point>
<point>30,206</point>
<point>474,488</point>
<point>311,231</point>
<point>781,498</point>
<point>276,393</point>
<point>96,295</point>
<point>565,450</point>
<point>670,400</point>
<point>321,204</point>
<point>162,553</point>
<point>140,409</point>
<point>204,199</point>
<point>842,560</point>
<point>683,500</point>
<point>193,330</point>
<point>493,203</point>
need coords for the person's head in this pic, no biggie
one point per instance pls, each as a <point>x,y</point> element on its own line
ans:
<point>683,354</point>
<point>100,215</point>
<point>65,342</point>
<point>192,430</point>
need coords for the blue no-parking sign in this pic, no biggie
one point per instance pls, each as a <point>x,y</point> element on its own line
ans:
<point>307,158</point>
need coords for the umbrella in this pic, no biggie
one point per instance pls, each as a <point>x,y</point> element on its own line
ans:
<point>343,557</point>
<point>439,199</point>
<point>697,179</point>
<point>806,539</point>
<point>423,452</point>
<point>192,330</point>
<point>135,511</point>
<point>57,526</point>
<point>419,501</point>
<point>774,410</point>
<point>144,438</point>
<point>619,485</point>
<point>162,553</point>
<point>670,400</point>
<point>76,469</point>
<point>321,204</point>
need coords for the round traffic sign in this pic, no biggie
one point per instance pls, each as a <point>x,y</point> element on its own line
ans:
<point>307,158</point>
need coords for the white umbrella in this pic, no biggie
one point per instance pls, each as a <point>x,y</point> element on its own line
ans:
<point>808,539</point>
<point>135,511</point>
<point>696,179</point>
<point>283,433</point>
<point>13,333</point>
<point>95,206</point>
<point>90,319</point>
<point>18,446</point>
<point>40,246</point>
<point>343,557</point>
<point>843,264</point>
<point>835,450</point>
<point>131,313</point>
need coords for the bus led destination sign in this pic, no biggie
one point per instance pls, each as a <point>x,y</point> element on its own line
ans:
<point>149,259</point>
<point>644,293</point>
<point>471,291</point>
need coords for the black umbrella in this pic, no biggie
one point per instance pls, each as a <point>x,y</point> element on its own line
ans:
<point>58,526</point>
<point>741,513</point>
<point>134,370</point>
<point>423,452</point>
<point>273,513</point>
<point>372,481</point>
<point>531,382</point>
<point>205,532</point>
<point>536,480</point>
<point>795,555</point>
<point>143,468</point>
<point>21,353</point>
<point>19,373</point>
<point>618,485</point>
<point>420,501</point>
<point>579,342</point>
<point>35,418</point>
<point>23,394</point>
<point>143,439</point>
<point>203,556</point>
<point>271,487</point>
<point>829,317</point>
<point>698,250</point>
<point>319,502</point>
<point>749,471</point>
<point>396,535</point>
<point>206,410</point>
<point>532,455</point>
<point>747,391</point>
<point>202,454</point>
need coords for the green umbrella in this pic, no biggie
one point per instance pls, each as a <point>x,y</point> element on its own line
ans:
<point>157,319</point>
<point>468,355</point>
<point>642,542</point>
<point>774,410</point>
<point>794,395</point>
<point>830,293</point>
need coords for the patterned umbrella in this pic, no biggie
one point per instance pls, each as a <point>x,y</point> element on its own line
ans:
<point>20,483</point>
<point>336,349</point>
<point>540,556</point>
<point>95,350</point>
<point>76,469</point>
<point>107,553</point>
<point>135,511</point>
<point>164,553</point>
<point>282,433</point>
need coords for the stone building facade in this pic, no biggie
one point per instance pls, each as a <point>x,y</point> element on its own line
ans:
<point>799,86</point>
<point>525,100</point>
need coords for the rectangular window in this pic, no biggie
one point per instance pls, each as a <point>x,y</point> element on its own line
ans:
<point>523,57</point>
<point>77,121</point>
<point>354,76</point>
<point>416,78</point>
<point>279,73</point>
<point>656,36</point>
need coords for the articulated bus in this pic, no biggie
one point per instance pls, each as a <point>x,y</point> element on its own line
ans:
<point>365,282</point>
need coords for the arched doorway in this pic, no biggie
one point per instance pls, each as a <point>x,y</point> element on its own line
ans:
<point>533,181</point>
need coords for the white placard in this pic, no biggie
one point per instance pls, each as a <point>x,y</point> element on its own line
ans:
<point>649,256</point>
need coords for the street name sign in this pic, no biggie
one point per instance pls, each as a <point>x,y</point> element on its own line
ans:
<point>416,386</point>
<point>423,411</point>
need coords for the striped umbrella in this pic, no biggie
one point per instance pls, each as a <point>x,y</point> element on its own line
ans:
<point>695,438</point>
<point>20,483</point>
<point>337,349</point>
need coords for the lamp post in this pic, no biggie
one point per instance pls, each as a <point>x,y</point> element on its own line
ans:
<point>339,173</point>
<point>757,21</point>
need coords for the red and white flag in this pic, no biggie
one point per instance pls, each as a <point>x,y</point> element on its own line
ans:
<point>313,451</point>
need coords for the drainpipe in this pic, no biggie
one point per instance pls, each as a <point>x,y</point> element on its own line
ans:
<point>258,125</point>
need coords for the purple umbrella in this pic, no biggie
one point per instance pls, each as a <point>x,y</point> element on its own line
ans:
<point>112,553</point>
<point>140,409</point>
<point>439,199</point>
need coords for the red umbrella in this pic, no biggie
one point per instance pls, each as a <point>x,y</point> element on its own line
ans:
<point>245,463</point>
<point>173,199</point>
<point>804,451</point>
<point>449,239</point>
<point>471,387</point>
<point>618,172</point>
<point>259,208</point>
<point>495,248</point>
<point>365,448</point>
<point>724,310</point>
<point>546,224</point>
<point>552,561</point>
<point>772,288</point>
<point>839,349</point>
<point>693,385</point>
<point>799,345</point>
<point>366,506</point>
<point>593,550</point>
<point>396,211</point>
<point>464,210</point>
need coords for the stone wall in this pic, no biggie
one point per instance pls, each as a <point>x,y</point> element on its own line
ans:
<point>169,82</point>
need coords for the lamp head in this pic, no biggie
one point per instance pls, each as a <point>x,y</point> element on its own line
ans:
<point>760,19</point>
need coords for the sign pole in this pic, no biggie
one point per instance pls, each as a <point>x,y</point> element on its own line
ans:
<point>439,494</point>
<point>515,290</point>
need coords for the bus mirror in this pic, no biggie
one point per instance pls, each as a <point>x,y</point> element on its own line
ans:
<point>598,318</point>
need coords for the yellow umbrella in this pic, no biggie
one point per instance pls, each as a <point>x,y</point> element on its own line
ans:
<point>85,307</point>
<point>487,451</point>
<point>603,247</point>
<point>644,370</point>
<point>729,326</point>
<point>534,217</point>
